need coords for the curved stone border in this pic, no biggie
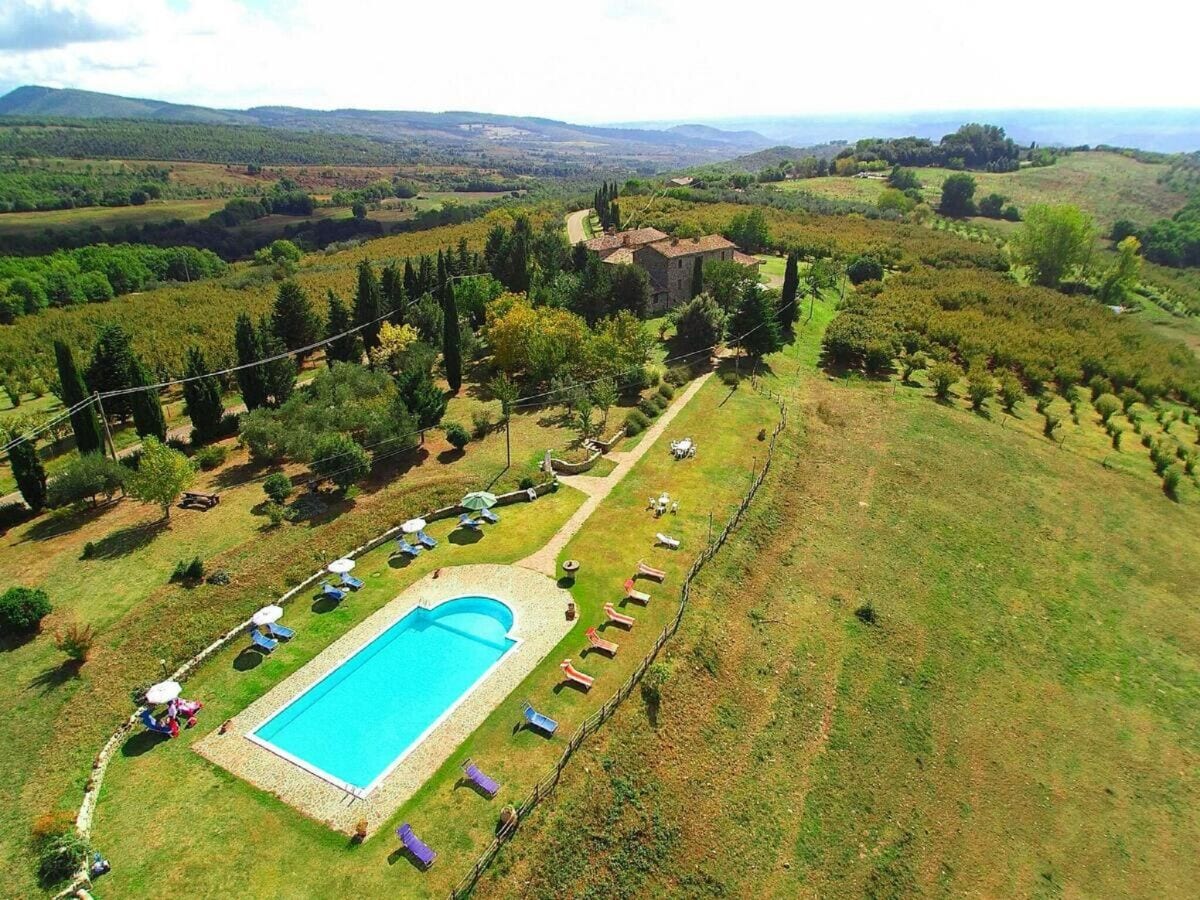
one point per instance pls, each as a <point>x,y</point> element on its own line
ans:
<point>91,791</point>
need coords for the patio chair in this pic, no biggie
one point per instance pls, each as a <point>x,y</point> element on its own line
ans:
<point>151,725</point>
<point>351,582</point>
<point>636,595</point>
<point>416,846</point>
<point>465,521</point>
<point>573,674</point>
<point>667,540</point>
<point>261,641</point>
<point>408,549</point>
<point>618,618</point>
<point>488,785</point>
<point>281,631</point>
<point>426,541</point>
<point>539,721</point>
<point>650,571</point>
<point>489,516</point>
<point>599,643</point>
<point>335,594</point>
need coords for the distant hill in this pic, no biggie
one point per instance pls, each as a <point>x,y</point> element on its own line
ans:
<point>687,144</point>
<point>773,156</point>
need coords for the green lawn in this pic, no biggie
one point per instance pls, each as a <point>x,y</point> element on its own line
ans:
<point>108,217</point>
<point>136,834</point>
<point>1022,719</point>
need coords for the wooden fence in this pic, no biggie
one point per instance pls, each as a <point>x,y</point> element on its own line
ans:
<point>592,723</point>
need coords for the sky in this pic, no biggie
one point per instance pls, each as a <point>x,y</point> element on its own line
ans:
<point>611,60</point>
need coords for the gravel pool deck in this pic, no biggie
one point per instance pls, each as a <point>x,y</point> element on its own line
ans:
<point>540,607</point>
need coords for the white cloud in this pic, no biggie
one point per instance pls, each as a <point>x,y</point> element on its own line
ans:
<point>612,60</point>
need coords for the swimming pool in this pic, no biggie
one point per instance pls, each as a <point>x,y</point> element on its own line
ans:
<point>355,725</point>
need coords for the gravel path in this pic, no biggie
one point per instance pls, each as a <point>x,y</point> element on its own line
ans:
<point>545,560</point>
<point>575,232</point>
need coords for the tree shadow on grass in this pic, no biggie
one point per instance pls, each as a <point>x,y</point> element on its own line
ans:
<point>450,455</point>
<point>10,642</point>
<point>248,659</point>
<point>322,604</point>
<point>567,685</point>
<point>464,537</point>
<point>399,561</point>
<point>124,541</point>
<point>55,677</point>
<point>143,742</point>
<point>64,521</point>
<point>235,475</point>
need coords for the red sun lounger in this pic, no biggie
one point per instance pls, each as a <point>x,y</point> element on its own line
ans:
<point>632,594</point>
<point>619,618</point>
<point>573,674</point>
<point>600,643</point>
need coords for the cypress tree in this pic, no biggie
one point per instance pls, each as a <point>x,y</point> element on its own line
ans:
<point>29,473</point>
<point>791,284</point>
<point>202,395</point>
<point>464,257</point>
<point>148,418</point>
<point>442,276</point>
<point>615,215</point>
<point>391,285</point>
<point>279,375</point>
<point>249,350</point>
<point>368,305</point>
<point>424,277</point>
<point>84,422</point>
<point>698,276</point>
<point>111,369</point>
<point>293,319</point>
<point>344,349</point>
<point>410,280</point>
<point>451,339</point>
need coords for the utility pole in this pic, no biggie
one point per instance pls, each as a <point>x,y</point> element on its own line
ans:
<point>508,441</point>
<point>104,421</point>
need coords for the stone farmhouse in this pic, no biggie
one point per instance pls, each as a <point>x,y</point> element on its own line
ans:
<point>668,261</point>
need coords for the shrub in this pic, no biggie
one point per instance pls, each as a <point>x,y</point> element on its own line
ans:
<point>526,482</point>
<point>481,422</point>
<point>341,459</point>
<point>189,570</point>
<point>22,609</point>
<point>911,364</point>
<point>1171,479</point>
<point>457,435</point>
<point>660,401</point>
<point>648,408</point>
<point>1116,438</point>
<point>678,376</point>
<point>730,378</point>
<point>1052,422</point>
<point>278,487</point>
<point>866,614</point>
<point>276,513</point>
<point>1010,391</point>
<point>980,386</point>
<point>76,641</point>
<point>179,444</point>
<point>211,457</point>
<point>1107,406</point>
<point>943,375</point>
<point>652,683</point>
<point>666,391</point>
<point>1129,397</point>
<point>85,478</point>
<point>1043,403</point>
<point>60,855</point>
<point>635,422</point>
<point>864,268</point>
<point>89,550</point>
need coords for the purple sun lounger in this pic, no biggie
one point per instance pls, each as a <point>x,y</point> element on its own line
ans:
<point>415,845</point>
<point>488,785</point>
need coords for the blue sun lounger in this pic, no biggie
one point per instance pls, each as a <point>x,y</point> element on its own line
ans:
<point>261,641</point>
<point>489,516</point>
<point>408,549</point>
<point>281,631</point>
<point>351,582</point>
<point>538,721</point>
<point>415,845</point>
<point>328,590</point>
<point>465,521</point>
<point>151,725</point>
<point>488,785</point>
<point>426,541</point>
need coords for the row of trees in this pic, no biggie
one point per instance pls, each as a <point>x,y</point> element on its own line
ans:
<point>608,210</point>
<point>25,187</point>
<point>1169,242</point>
<point>972,146</point>
<point>958,200</point>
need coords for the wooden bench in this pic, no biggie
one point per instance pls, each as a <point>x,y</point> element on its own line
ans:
<point>196,500</point>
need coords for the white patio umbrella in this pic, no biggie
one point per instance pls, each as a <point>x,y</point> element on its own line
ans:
<point>163,692</point>
<point>267,615</point>
<point>412,526</point>
<point>478,500</point>
<point>341,566</point>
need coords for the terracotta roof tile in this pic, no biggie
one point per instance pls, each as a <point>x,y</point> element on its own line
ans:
<point>746,259</point>
<point>620,256</point>
<point>634,238</point>
<point>687,246</point>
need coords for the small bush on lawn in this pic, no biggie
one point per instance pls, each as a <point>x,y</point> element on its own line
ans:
<point>866,614</point>
<point>481,423</point>
<point>189,571</point>
<point>648,408</point>
<point>652,683</point>
<point>60,857</point>
<point>678,376</point>
<point>277,487</point>
<point>1171,478</point>
<point>526,483</point>
<point>89,550</point>
<point>730,378</point>
<point>457,436</point>
<point>666,390</point>
<point>635,422</point>
<point>211,457</point>
<point>1051,423</point>
<point>660,401</point>
<point>22,609</point>
<point>75,640</point>
<point>277,514</point>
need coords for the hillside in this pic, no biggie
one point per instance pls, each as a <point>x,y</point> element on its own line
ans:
<point>477,131</point>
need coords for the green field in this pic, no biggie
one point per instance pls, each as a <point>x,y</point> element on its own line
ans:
<point>1022,719</point>
<point>106,217</point>
<point>1106,185</point>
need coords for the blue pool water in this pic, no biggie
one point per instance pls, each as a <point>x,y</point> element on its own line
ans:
<point>354,723</point>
